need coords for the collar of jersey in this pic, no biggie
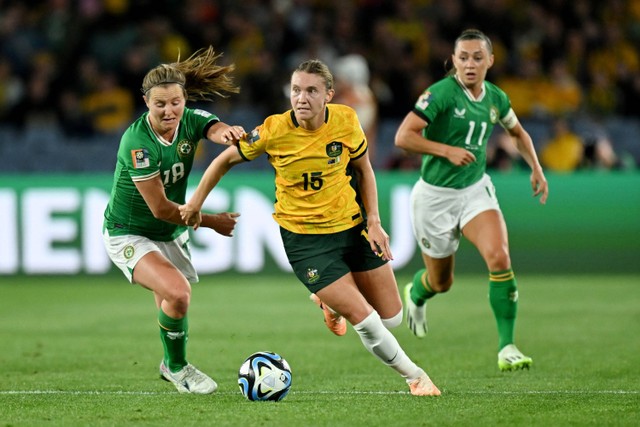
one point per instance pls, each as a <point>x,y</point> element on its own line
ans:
<point>295,121</point>
<point>468,92</point>
<point>160,139</point>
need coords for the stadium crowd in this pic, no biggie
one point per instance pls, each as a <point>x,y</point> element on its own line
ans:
<point>71,70</point>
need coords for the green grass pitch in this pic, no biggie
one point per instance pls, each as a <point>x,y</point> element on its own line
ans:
<point>84,351</point>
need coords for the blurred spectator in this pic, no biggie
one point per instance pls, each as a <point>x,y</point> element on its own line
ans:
<point>563,152</point>
<point>403,160</point>
<point>598,151</point>
<point>74,122</point>
<point>137,60</point>
<point>502,153</point>
<point>351,74</point>
<point>11,89</point>
<point>110,107</point>
<point>35,108</point>
<point>553,57</point>
<point>525,89</point>
<point>562,95</point>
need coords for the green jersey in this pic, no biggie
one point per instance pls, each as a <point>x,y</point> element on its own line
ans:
<point>456,118</point>
<point>144,155</point>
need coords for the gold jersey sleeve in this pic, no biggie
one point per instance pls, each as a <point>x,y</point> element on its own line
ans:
<point>314,194</point>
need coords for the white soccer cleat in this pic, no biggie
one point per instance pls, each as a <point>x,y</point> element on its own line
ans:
<point>416,315</point>
<point>512,359</point>
<point>188,379</point>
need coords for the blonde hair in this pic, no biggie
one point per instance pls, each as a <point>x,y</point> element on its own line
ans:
<point>315,66</point>
<point>198,75</point>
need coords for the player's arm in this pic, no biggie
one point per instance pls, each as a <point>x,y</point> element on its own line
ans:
<point>223,133</point>
<point>190,211</point>
<point>525,147</point>
<point>409,137</point>
<point>378,238</point>
<point>152,191</point>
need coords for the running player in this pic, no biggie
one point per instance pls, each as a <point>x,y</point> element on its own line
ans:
<point>339,251</point>
<point>450,125</point>
<point>143,232</point>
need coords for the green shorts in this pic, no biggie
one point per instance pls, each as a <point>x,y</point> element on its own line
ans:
<point>318,260</point>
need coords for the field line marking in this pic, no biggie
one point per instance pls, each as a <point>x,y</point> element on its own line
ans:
<point>293,392</point>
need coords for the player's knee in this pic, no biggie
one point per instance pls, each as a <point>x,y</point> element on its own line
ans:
<point>179,298</point>
<point>394,321</point>
<point>498,260</point>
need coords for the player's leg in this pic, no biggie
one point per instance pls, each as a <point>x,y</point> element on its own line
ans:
<point>173,291</point>
<point>316,262</point>
<point>488,232</point>
<point>145,262</point>
<point>334,320</point>
<point>380,289</point>
<point>435,219</point>
<point>436,278</point>
<point>344,295</point>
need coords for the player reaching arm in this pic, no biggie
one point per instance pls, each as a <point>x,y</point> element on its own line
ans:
<point>336,247</point>
<point>143,232</point>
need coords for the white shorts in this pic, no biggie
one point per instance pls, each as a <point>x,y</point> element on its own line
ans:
<point>126,251</point>
<point>438,213</point>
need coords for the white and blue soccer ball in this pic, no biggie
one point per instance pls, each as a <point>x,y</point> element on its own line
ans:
<point>264,376</point>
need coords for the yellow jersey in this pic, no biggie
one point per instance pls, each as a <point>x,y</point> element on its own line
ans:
<point>314,194</point>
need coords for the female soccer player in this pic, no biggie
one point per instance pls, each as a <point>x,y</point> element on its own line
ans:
<point>450,126</point>
<point>143,232</point>
<point>338,251</point>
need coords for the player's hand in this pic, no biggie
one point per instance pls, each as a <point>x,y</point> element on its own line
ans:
<point>232,134</point>
<point>539,185</point>
<point>379,241</point>
<point>190,215</point>
<point>224,223</point>
<point>460,157</point>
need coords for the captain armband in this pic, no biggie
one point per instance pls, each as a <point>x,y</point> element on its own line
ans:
<point>510,120</point>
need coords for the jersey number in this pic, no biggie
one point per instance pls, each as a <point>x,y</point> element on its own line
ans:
<point>472,126</point>
<point>312,180</point>
<point>174,175</point>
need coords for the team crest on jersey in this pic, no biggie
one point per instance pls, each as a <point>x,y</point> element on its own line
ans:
<point>493,115</point>
<point>312,275</point>
<point>140,158</point>
<point>459,113</point>
<point>334,149</point>
<point>185,148</point>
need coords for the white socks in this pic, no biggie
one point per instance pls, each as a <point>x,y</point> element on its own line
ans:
<point>382,344</point>
<point>393,322</point>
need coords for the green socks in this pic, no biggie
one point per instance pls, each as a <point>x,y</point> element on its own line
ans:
<point>503,297</point>
<point>421,291</point>
<point>173,334</point>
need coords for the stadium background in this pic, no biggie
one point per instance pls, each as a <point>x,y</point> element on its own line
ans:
<point>71,71</point>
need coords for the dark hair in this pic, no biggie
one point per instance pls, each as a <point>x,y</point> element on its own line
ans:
<point>315,66</point>
<point>469,34</point>
<point>198,75</point>
<point>473,34</point>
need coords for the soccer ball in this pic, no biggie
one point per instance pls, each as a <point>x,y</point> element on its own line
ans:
<point>264,376</point>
